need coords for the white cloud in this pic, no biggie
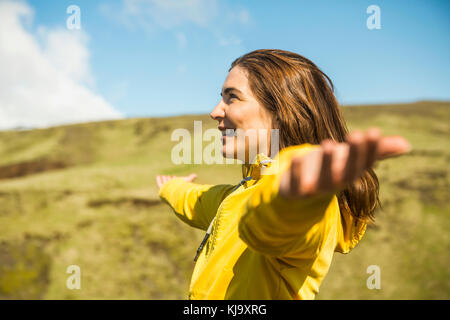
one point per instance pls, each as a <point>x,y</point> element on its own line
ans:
<point>154,15</point>
<point>44,80</point>
<point>231,40</point>
<point>62,46</point>
<point>170,13</point>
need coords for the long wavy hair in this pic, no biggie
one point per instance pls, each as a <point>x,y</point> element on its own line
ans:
<point>301,99</point>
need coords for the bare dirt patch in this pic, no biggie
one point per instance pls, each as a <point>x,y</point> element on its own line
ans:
<point>26,168</point>
<point>136,202</point>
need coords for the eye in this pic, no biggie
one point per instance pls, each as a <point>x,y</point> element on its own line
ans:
<point>232,95</point>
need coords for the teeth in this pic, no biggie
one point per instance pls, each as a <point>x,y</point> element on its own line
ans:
<point>230,133</point>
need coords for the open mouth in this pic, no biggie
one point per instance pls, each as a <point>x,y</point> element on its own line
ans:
<point>229,133</point>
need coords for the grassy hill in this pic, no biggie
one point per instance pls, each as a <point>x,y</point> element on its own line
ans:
<point>85,195</point>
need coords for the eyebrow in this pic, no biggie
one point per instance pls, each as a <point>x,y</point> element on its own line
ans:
<point>228,89</point>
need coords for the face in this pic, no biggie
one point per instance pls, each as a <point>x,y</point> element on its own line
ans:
<point>240,118</point>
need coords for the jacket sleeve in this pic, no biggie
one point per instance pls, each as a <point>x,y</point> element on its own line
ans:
<point>195,204</point>
<point>276,226</point>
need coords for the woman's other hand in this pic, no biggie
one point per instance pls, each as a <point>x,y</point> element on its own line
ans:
<point>160,179</point>
<point>334,165</point>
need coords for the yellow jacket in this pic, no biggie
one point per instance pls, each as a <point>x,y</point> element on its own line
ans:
<point>262,246</point>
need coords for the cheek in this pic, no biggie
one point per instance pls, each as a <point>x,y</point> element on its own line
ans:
<point>249,115</point>
<point>258,117</point>
<point>234,115</point>
<point>265,117</point>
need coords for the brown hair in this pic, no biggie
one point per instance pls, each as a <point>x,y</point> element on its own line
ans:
<point>301,100</point>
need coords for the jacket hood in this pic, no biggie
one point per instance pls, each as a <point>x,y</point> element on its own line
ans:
<point>351,231</point>
<point>254,169</point>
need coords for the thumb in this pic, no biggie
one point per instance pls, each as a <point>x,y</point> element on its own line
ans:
<point>191,177</point>
<point>392,146</point>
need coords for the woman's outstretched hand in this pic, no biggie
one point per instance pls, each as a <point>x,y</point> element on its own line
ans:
<point>334,165</point>
<point>160,179</point>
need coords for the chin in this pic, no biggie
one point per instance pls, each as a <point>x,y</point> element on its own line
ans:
<point>230,155</point>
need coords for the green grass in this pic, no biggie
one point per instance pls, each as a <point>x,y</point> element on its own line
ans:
<point>102,213</point>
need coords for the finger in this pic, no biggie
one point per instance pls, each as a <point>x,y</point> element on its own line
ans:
<point>372,137</point>
<point>306,174</point>
<point>340,156</point>
<point>392,146</point>
<point>158,181</point>
<point>192,177</point>
<point>355,161</point>
<point>326,176</point>
<point>295,177</point>
<point>284,184</point>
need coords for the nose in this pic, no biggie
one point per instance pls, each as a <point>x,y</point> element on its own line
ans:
<point>218,112</point>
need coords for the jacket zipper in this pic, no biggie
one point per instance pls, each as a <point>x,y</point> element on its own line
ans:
<point>208,232</point>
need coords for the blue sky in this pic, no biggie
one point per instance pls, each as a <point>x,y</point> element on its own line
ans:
<point>156,58</point>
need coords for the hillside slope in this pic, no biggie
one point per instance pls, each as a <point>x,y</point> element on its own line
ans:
<point>85,195</point>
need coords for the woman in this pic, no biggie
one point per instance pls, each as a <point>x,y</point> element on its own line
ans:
<point>273,235</point>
